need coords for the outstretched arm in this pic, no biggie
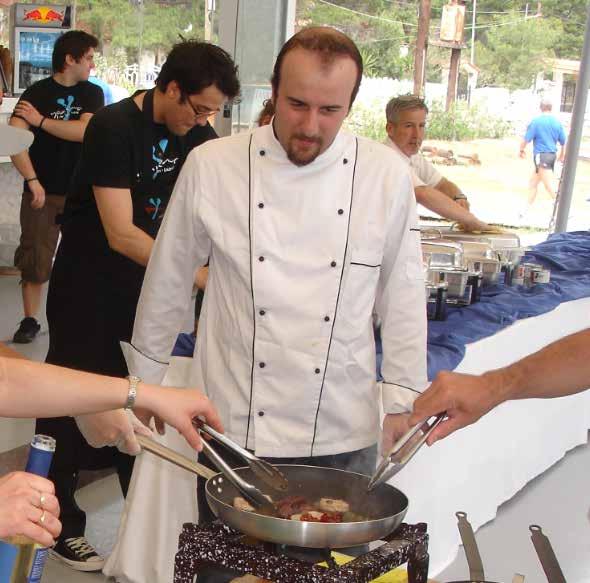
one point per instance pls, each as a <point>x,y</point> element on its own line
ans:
<point>561,368</point>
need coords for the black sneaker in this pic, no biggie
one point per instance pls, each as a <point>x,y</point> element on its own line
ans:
<point>78,554</point>
<point>28,329</point>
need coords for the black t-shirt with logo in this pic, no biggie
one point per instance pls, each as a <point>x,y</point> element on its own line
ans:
<point>54,159</point>
<point>113,155</point>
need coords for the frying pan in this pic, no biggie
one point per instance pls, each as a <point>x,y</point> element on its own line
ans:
<point>385,508</point>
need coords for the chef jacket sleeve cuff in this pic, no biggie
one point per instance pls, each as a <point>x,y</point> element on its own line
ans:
<point>139,364</point>
<point>397,398</point>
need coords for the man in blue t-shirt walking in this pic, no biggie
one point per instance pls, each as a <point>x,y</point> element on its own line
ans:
<point>546,132</point>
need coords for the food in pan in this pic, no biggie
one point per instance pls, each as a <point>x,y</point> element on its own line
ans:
<point>299,508</point>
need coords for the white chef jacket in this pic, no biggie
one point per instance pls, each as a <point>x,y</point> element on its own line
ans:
<point>299,259</point>
<point>422,170</point>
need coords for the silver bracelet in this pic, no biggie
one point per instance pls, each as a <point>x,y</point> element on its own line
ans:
<point>132,394</point>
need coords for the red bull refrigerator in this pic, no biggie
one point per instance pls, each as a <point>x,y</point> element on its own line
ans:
<point>35,28</point>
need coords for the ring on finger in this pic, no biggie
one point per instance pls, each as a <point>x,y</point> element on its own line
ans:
<point>41,500</point>
<point>42,518</point>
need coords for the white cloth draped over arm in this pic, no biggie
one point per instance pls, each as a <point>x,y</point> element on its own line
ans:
<point>401,307</point>
<point>182,245</point>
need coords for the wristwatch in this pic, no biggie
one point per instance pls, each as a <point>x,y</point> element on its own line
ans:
<point>460,197</point>
<point>132,394</point>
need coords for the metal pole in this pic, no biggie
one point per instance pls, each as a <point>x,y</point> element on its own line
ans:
<point>568,176</point>
<point>473,33</point>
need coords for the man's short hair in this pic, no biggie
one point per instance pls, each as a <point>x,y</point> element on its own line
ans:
<point>403,103</point>
<point>546,105</point>
<point>329,44</point>
<point>75,43</point>
<point>196,65</point>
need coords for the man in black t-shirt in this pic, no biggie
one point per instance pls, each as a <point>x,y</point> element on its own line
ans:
<point>56,110</point>
<point>132,153</point>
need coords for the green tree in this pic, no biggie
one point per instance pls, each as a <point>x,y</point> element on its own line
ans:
<point>381,29</point>
<point>511,56</point>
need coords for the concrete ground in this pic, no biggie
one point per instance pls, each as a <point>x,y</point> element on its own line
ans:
<point>558,500</point>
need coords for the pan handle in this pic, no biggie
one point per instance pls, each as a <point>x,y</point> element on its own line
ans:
<point>470,546</point>
<point>174,457</point>
<point>546,555</point>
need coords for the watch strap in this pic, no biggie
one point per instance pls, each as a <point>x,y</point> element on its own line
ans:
<point>132,394</point>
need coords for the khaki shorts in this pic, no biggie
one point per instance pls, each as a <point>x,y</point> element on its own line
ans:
<point>39,236</point>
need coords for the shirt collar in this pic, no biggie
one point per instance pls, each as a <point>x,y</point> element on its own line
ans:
<point>389,142</point>
<point>265,138</point>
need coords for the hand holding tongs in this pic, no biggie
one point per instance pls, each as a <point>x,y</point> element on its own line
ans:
<point>268,473</point>
<point>399,455</point>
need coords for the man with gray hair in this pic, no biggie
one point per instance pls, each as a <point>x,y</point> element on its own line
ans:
<point>546,132</point>
<point>406,123</point>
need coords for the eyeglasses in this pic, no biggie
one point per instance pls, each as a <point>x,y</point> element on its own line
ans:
<point>199,110</point>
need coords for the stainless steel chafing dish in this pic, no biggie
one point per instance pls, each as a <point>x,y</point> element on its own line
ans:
<point>505,244</point>
<point>445,262</point>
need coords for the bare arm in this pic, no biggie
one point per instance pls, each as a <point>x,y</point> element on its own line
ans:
<point>70,130</point>
<point>437,202</point>
<point>116,213</point>
<point>22,162</point>
<point>31,389</point>
<point>561,156</point>
<point>523,145</point>
<point>561,368</point>
<point>449,188</point>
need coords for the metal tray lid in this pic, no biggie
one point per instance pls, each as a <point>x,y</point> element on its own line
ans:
<point>500,240</point>
<point>443,254</point>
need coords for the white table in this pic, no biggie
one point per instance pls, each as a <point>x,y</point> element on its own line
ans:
<point>486,464</point>
<point>474,470</point>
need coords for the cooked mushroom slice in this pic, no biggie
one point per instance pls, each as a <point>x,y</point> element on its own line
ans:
<point>242,504</point>
<point>333,505</point>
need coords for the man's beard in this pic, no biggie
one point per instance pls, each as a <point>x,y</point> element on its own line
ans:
<point>302,159</point>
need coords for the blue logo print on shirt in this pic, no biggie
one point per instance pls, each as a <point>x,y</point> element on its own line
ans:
<point>153,207</point>
<point>67,106</point>
<point>158,153</point>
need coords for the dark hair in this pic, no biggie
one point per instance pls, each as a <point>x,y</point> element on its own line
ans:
<point>268,110</point>
<point>329,43</point>
<point>75,43</point>
<point>403,103</point>
<point>196,65</point>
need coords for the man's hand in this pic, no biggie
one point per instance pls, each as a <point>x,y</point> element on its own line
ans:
<point>465,398</point>
<point>474,224</point>
<point>29,113</point>
<point>28,507</point>
<point>522,154</point>
<point>38,193</point>
<point>394,426</point>
<point>113,428</point>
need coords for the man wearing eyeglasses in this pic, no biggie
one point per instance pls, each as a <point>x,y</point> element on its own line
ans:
<point>131,156</point>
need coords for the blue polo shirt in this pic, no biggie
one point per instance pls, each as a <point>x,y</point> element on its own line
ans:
<point>545,131</point>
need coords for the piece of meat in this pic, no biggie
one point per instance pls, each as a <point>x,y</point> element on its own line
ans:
<point>292,505</point>
<point>333,505</point>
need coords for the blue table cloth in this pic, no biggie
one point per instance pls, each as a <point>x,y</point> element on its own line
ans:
<point>567,255</point>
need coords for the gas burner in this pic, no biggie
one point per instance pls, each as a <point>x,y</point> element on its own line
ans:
<point>216,545</point>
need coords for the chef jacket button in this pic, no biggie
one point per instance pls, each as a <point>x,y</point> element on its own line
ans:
<point>262,152</point>
<point>345,161</point>
<point>260,205</point>
<point>261,258</point>
<point>262,312</point>
<point>340,212</point>
<point>326,318</point>
<point>262,364</point>
<point>260,413</point>
<point>317,371</point>
<point>333,264</point>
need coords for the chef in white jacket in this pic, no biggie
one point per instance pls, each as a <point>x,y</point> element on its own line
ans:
<point>308,231</point>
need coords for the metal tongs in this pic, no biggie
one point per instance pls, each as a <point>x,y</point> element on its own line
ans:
<point>250,492</point>
<point>268,473</point>
<point>402,451</point>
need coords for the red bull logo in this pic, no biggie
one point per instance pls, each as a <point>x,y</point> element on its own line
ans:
<point>43,15</point>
